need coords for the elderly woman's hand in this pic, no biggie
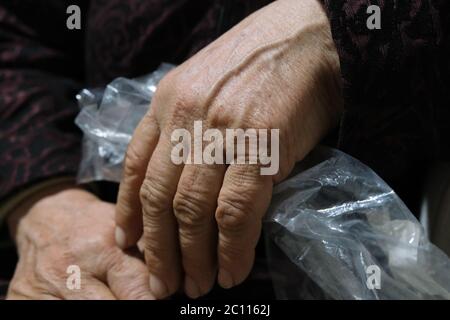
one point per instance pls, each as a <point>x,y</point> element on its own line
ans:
<point>67,232</point>
<point>277,69</point>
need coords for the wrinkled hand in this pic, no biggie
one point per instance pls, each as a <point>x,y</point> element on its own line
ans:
<point>277,69</point>
<point>69,228</point>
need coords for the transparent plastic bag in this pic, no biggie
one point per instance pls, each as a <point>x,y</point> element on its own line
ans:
<point>337,231</point>
<point>108,119</point>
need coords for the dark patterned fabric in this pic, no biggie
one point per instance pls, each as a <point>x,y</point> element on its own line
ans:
<point>40,71</point>
<point>396,80</point>
<point>396,86</point>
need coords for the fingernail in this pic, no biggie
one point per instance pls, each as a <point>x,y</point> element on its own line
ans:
<point>157,287</point>
<point>121,238</point>
<point>191,288</point>
<point>225,279</point>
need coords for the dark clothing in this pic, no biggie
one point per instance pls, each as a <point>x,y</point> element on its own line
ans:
<point>395,79</point>
<point>396,88</point>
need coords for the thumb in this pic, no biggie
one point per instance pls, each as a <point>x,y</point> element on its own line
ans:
<point>128,278</point>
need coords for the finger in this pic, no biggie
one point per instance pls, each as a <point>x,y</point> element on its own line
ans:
<point>194,205</point>
<point>25,292</point>
<point>31,296</point>
<point>128,210</point>
<point>127,277</point>
<point>161,247</point>
<point>91,289</point>
<point>243,201</point>
<point>13,296</point>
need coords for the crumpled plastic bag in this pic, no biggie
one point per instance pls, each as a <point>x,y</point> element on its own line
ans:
<point>340,232</point>
<point>108,118</point>
<point>334,230</point>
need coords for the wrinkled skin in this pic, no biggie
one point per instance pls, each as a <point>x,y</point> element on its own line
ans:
<point>73,227</point>
<point>277,69</point>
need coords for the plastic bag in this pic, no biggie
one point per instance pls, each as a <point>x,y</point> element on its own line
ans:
<point>108,119</point>
<point>340,232</point>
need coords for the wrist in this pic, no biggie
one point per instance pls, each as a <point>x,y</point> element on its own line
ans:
<point>49,195</point>
<point>308,50</point>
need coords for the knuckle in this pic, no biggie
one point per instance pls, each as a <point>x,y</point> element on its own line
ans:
<point>190,209</point>
<point>154,197</point>
<point>133,161</point>
<point>233,214</point>
<point>185,107</point>
<point>220,116</point>
<point>113,261</point>
<point>178,91</point>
